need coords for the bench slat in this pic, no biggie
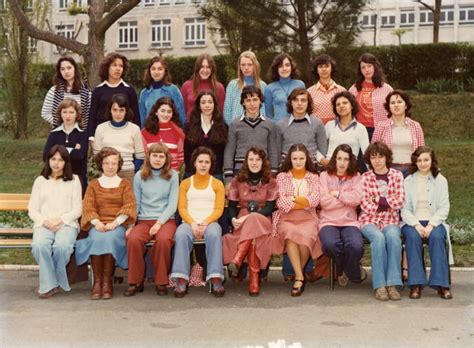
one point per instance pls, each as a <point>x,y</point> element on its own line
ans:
<point>14,196</point>
<point>15,243</point>
<point>8,205</point>
<point>16,231</point>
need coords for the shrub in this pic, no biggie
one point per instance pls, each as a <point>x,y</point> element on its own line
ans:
<point>462,231</point>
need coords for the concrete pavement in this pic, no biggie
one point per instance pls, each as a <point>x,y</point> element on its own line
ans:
<point>319,318</point>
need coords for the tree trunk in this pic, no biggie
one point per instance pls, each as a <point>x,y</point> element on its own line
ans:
<point>436,20</point>
<point>21,124</point>
<point>305,45</point>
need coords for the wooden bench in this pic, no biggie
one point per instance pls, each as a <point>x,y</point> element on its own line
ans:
<point>11,237</point>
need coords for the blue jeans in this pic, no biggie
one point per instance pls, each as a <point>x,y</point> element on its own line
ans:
<point>346,246</point>
<point>52,252</point>
<point>386,251</point>
<point>439,262</point>
<point>184,238</point>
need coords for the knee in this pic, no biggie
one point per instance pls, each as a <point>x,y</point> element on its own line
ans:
<point>331,245</point>
<point>437,235</point>
<point>354,245</point>
<point>213,232</point>
<point>163,243</point>
<point>41,247</point>
<point>410,233</point>
<point>63,248</point>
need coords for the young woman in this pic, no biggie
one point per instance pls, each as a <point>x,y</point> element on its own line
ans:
<point>400,132</point>
<point>382,198</point>
<point>200,204</point>
<point>55,205</point>
<point>206,127</point>
<point>156,193</point>
<point>283,75</point>
<point>120,133</point>
<point>296,222</point>
<point>67,84</point>
<point>109,208</point>
<point>324,68</point>
<point>255,192</point>
<point>248,72</point>
<point>344,129</point>
<point>339,230</point>
<point>251,129</point>
<point>370,90</point>
<point>424,216</point>
<point>204,79</point>
<point>157,81</point>
<point>299,127</point>
<point>163,126</point>
<point>71,135</point>
<point>112,69</point>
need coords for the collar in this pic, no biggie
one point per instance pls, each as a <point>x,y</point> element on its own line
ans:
<point>260,116</point>
<point>204,126</point>
<point>332,85</point>
<point>405,122</point>
<point>292,119</point>
<point>113,86</point>
<point>337,123</point>
<point>61,128</point>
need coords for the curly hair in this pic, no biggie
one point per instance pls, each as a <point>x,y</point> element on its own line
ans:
<point>277,62</point>
<point>58,79</point>
<point>287,165</point>
<point>69,102</point>
<point>296,92</point>
<point>434,161</point>
<point>219,128</point>
<point>147,168</point>
<point>404,96</point>
<point>152,123</point>
<point>353,167</point>
<point>203,150</point>
<point>321,60</point>
<point>378,79</point>
<point>108,60</point>
<point>349,96</point>
<point>122,101</point>
<point>378,148</point>
<point>244,172</point>
<point>64,153</point>
<point>103,154</point>
<point>148,80</point>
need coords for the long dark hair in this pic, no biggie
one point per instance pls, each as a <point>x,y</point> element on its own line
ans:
<point>219,128</point>
<point>277,61</point>
<point>122,101</point>
<point>287,166</point>
<point>378,79</point>
<point>58,79</point>
<point>67,171</point>
<point>434,161</point>
<point>147,79</point>
<point>352,169</point>
<point>152,124</point>
<point>244,172</point>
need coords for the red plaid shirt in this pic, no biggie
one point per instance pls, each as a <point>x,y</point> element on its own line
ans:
<point>378,100</point>
<point>287,191</point>
<point>322,105</point>
<point>371,196</point>
<point>384,133</point>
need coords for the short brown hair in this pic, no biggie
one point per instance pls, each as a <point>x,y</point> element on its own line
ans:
<point>434,161</point>
<point>296,92</point>
<point>147,79</point>
<point>107,61</point>
<point>203,150</point>
<point>248,91</point>
<point>122,101</point>
<point>324,59</point>
<point>106,152</point>
<point>277,61</point>
<point>378,148</point>
<point>287,166</point>
<point>67,102</point>
<point>349,96</point>
<point>402,95</point>
<point>244,172</point>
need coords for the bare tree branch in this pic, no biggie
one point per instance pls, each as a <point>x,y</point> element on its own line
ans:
<point>117,12</point>
<point>431,8</point>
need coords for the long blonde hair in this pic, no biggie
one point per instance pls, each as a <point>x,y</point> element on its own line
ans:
<point>256,74</point>
<point>165,170</point>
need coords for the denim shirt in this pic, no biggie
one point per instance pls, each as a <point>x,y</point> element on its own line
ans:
<point>149,96</point>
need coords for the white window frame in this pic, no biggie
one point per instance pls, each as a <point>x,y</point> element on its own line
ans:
<point>149,3</point>
<point>427,18</point>
<point>179,2</point>
<point>371,20</point>
<point>127,35</point>
<point>446,13</point>
<point>63,5</point>
<point>466,11</point>
<point>407,22</point>
<point>390,21</point>
<point>194,32</point>
<point>164,2</point>
<point>160,28</point>
<point>66,30</point>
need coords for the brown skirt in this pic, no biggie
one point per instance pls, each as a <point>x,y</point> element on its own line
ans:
<point>300,227</point>
<point>257,227</point>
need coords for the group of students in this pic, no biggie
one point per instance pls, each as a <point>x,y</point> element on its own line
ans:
<point>241,136</point>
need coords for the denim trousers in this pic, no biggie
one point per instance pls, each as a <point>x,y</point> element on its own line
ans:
<point>439,262</point>
<point>346,246</point>
<point>52,252</point>
<point>184,238</point>
<point>386,251</point>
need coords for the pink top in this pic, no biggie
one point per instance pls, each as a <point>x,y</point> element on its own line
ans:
<point>190,98</point>
<point>339,211</point>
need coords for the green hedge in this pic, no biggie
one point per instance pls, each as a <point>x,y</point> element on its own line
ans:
<point>404,65</point>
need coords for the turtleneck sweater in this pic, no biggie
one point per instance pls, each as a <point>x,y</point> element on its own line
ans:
<point>206,192</point>
<point>204,85</point>
<point>301,202</point>
<point>276,97</point>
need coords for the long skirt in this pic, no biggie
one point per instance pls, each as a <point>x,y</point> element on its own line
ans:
<point>300,227</point>
<point>101,243</point>
<point>257,227</point>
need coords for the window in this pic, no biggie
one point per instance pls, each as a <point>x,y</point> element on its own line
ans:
<point>164,2</point>
<point>32,44</point>
<point>388,21</point>
<point>194,31</point>
<point>128,34</point>
<point>466,15</point>
<point>407,19</point>
<point>179,2</point>
<point>66,30</point>
<point>447,16</point>
<point>161,33</point>
<point>426,18</point>
<point>369,20</point>
<point>149,2</point>
<point>63,4</point>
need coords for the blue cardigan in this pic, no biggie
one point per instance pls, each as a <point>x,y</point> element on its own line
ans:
<point>149,96</point>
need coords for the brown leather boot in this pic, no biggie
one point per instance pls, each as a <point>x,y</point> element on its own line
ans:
<point>254,271</point>
<point>107,287</point>
<point>97,262</point>
<point>242,250</point>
